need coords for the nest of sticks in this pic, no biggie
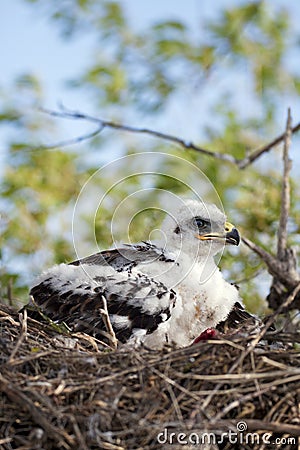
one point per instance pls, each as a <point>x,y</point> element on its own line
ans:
<point>62,390</point>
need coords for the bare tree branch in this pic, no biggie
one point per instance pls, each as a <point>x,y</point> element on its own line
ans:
<point>76,116</point>
<point>286,256</point>
<point>106,320</point>
<point>283,268</point>
<point>273,264</point>
<point>23,332</point>
<point>285,192</point>
<point>243,163</point>
<point>187,145</point>
<point>290,299</point>
<point>117,126</point>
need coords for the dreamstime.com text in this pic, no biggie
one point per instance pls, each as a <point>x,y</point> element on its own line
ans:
<point>240,436</point>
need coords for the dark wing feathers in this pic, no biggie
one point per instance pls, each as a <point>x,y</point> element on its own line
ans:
<point>237,319</point>
<point>126,257</point>
<point>79,307</point>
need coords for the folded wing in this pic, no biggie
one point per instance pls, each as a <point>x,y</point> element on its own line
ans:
<point>73,294</point>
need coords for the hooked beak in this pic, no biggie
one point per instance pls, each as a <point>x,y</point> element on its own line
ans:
<point>230,235</point>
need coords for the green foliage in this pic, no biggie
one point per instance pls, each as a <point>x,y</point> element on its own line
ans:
<point>253,34</point>
<point>40,185</point>
<point>144,72</point>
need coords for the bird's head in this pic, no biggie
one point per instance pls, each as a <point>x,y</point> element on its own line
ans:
<point>199,229</point>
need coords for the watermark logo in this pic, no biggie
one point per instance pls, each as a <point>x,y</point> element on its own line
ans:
<point>240,435</point>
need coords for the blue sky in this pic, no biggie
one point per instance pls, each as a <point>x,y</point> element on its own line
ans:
<point>33,45</point>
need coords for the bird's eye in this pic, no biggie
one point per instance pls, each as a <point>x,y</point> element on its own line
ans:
<point>200,223</point>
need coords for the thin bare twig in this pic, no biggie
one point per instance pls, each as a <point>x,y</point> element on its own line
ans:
<point>105,317</point>
<point>243,163</point>
<point>272,319</point>
<point>285,193</point>
<point>73,115</point>
<point>273,264</point>
<point>175,384</point>
<point>286,256</point>
<point>254,342</point>
<point>23,322</point>
<point>283,267</point>
<point>267,325</point>
<point>238,402</point>
<point>187,145</point>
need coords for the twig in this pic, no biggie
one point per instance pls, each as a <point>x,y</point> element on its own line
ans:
<point>72,115</point>
<point>23,322</point>
<point>285,193</point>
<point>274,266</point>
<point>266,326</point>
<point>91,340</point>
<point>108,325</point>
<point>278,405</point>
<point>187,145</point>
<point>5,440</point>
<point>78,433</point>
<point>283,267</point>
<point>175,404</point>
<point>254,342</point>
<point>190,394</point>
<point>16,395</point>
<point>236,377</point>
<point>243,163</point>
<point>75,115</point>
<point>286,256</point>
<point>240,401</point>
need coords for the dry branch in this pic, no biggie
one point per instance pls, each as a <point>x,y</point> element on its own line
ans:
<point>187,145</point>
<point>287,277</point>
<point>106,320</point>
<point>23,321</point>
<point>285,194</point>
<point>283,267</point>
